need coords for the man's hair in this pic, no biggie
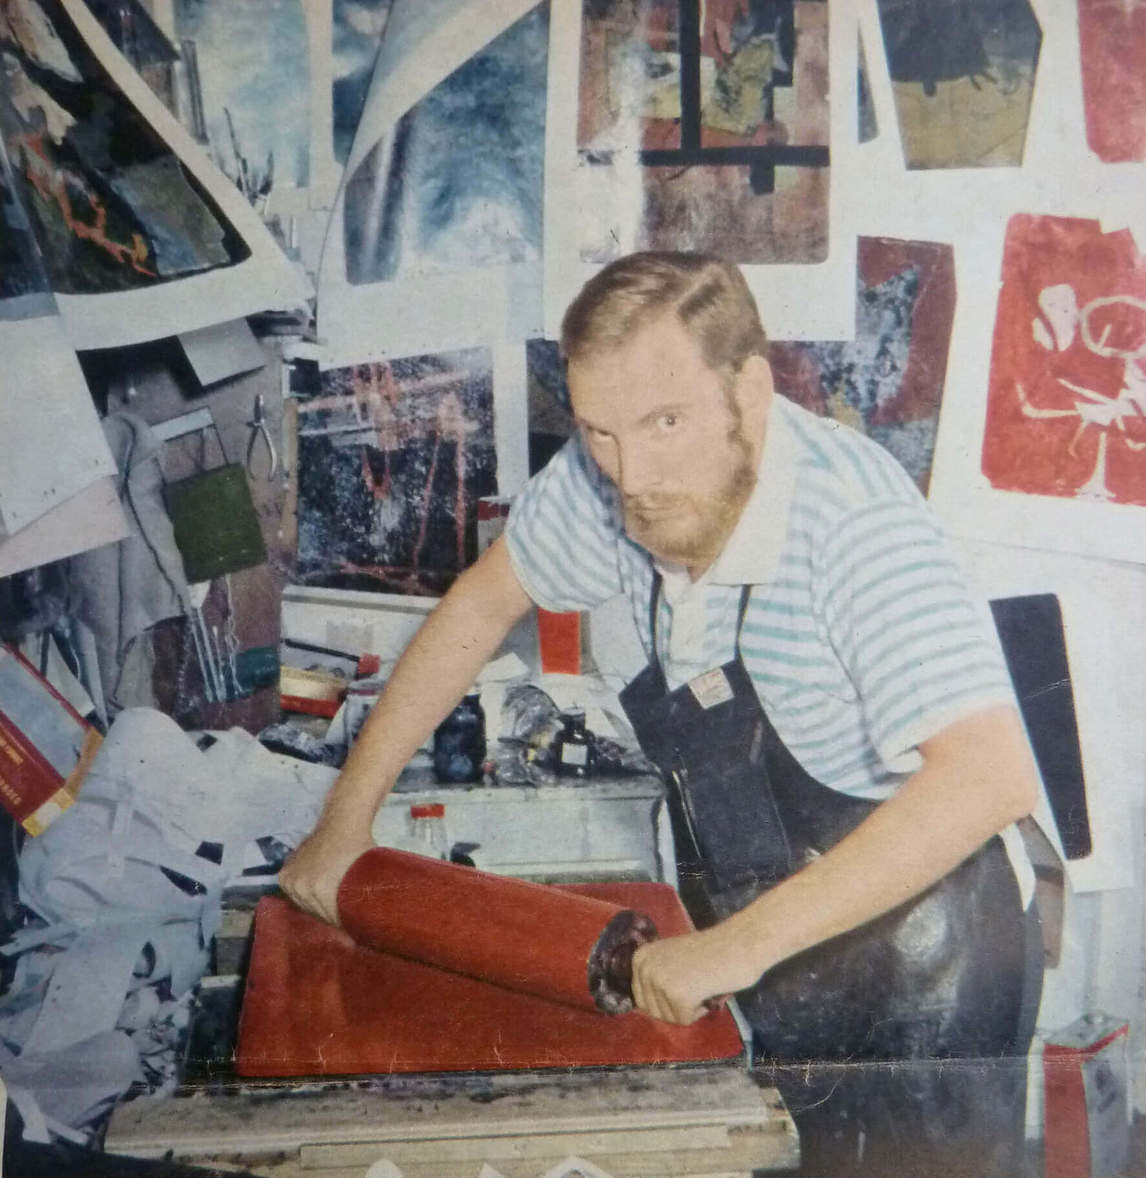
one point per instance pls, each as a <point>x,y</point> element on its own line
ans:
<point>708,296</point>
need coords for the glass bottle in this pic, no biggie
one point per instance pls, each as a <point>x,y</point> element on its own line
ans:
<point>573,748</point>
<point>459,743</point>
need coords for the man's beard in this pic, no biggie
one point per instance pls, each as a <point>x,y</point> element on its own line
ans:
<point>687,529</point>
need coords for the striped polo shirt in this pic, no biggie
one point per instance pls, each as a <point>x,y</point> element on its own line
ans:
<point>861,636</point>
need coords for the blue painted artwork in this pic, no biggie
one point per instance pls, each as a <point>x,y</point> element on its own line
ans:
<point>458,184</point>
<point>253,67</point>
<point>355,33</point>
<point>547,398</point>
<point>24,289</point>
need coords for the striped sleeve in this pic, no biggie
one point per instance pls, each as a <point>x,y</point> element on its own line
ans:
<point>917,646</point>
<point>562,535</point>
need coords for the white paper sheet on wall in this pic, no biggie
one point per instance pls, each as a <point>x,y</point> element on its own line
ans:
<point>435,239</point>
<point>51,445</point>
<point>136,248</point>
<point>804,289</point>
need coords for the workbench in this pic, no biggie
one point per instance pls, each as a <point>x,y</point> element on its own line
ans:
<point>680,1120</point>
<point>676,1122</point>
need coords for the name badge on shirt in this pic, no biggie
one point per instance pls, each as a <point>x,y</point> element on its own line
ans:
<point>711,688</point>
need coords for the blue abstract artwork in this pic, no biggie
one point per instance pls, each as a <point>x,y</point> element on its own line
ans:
<point>355,32</point>
<point>253,67</point>
<point>458,184</point>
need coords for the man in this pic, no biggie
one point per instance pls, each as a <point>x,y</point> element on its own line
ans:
<point>823,695</point>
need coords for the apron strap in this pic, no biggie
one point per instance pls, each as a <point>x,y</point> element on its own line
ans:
<point>654,610</point>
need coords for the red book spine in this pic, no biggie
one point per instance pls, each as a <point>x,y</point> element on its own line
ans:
<point>27,781</point>
<point>31,789</point>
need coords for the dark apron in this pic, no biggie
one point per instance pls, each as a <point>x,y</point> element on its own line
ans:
<point>939,977</point>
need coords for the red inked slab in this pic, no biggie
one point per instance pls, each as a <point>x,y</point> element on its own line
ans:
<point>317,1003</point>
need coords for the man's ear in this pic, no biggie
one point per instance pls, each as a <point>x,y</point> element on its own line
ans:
<point>754,386</point>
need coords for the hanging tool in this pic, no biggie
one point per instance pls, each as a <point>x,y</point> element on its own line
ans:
<point>258,429</point>
<point>208,667</point>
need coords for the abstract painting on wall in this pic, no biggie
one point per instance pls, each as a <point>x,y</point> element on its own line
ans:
<point>251,77</point>
<point>547,401</point>
<point>111,207</point>
<point>355,33</point>
<point>1066,411</point>
<point>139,237</point>
<point>1112,41</point>
<point>458,184</point>
<point>703,127</point>
<point>962,74</point>
<point>888,381</point>
<point>393,458</point>
<point>435,240</point>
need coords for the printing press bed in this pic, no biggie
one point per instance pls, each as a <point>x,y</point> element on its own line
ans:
<point>343,1055</point>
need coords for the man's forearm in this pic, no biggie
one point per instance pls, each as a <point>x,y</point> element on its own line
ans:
<point>976,779</point>
<point>440,664</point>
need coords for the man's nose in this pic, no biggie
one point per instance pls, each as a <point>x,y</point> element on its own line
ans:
<point>638,470</point>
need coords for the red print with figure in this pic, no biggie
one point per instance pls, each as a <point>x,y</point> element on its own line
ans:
<point>1066,411</point>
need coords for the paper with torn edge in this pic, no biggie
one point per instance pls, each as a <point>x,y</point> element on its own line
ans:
<point>802,281</point>
<point>435,239</point>
<point>148,245</point>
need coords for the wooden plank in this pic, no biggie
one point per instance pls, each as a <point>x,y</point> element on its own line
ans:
<point>368,1119</point>
<point>516,1146</point>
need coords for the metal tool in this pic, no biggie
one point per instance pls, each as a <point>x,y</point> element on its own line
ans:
<point>258,429</point>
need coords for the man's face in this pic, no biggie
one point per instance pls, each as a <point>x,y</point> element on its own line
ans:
<point>681,449</point>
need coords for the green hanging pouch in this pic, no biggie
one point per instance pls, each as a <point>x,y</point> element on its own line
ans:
<point>216,526</point>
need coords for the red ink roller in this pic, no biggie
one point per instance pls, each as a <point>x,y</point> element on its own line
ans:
<point>549,942</point>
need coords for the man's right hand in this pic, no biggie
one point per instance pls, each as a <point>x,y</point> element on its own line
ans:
<point>311,874</point>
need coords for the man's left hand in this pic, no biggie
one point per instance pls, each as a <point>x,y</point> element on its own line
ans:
<point>673,977</point>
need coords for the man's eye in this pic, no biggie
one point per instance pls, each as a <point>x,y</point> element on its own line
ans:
<point>668,420</point>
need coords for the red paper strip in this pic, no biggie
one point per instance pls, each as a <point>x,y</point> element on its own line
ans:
<point>1112,41</point>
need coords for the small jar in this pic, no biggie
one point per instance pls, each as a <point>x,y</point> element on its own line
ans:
<point>459,743</point>
<point>573,749</point>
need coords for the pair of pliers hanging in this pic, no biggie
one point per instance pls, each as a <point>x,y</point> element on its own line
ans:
<point>258,428</point>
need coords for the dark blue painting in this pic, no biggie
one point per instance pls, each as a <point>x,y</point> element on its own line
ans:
<point>550,422</point>
<point>458,184</point>
<point>393,458</point>
<point>355,32</point>
<point>110,205</point>
<point>24,290</point>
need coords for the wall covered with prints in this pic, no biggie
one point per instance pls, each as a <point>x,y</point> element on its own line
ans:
<point>937,203</point>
